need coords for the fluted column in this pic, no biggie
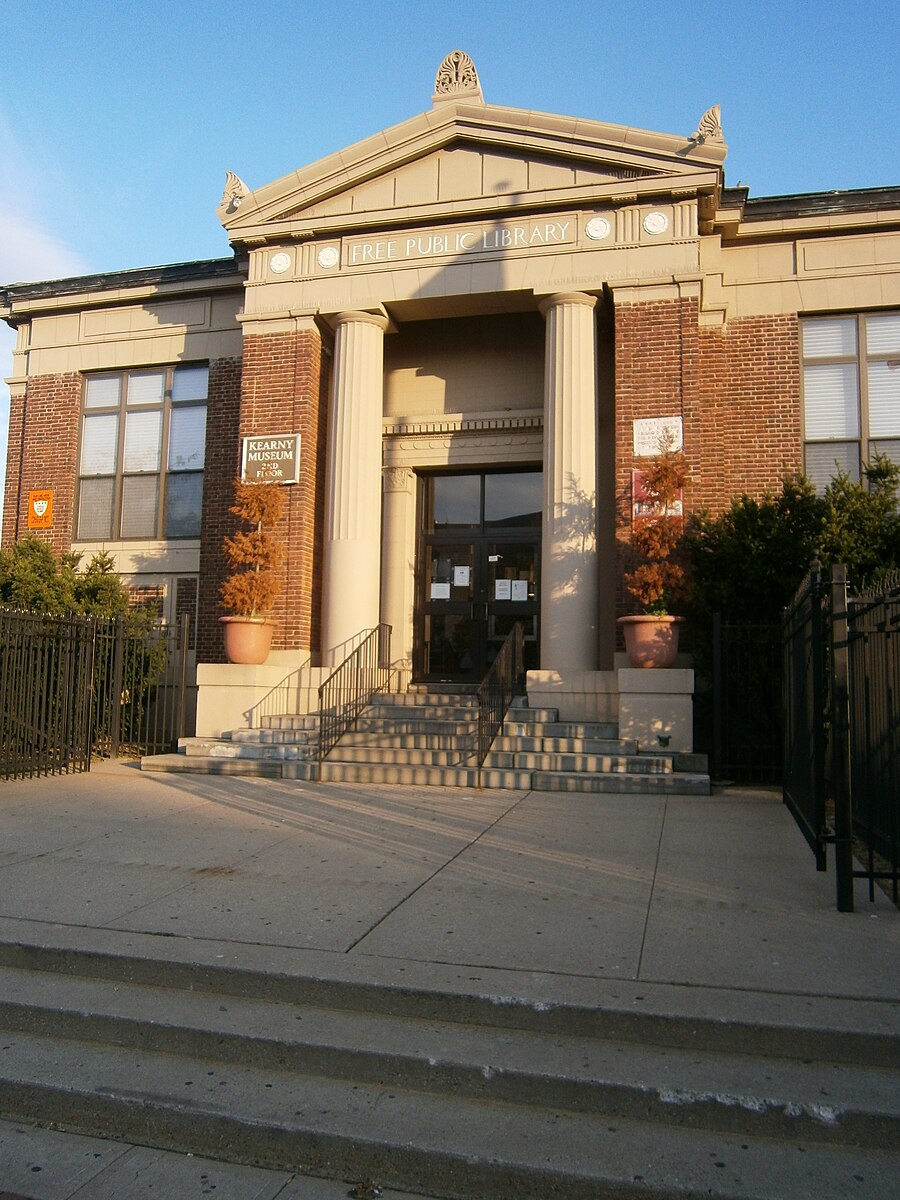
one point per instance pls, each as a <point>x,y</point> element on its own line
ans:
<point>398,558</point>
<point>352,575</point>
<point>569,536</point>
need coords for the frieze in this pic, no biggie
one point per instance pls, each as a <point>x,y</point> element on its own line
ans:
<point>463,425</point>
<point>447,443</point>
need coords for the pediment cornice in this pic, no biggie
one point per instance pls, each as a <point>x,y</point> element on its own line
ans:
<point>574,161</point>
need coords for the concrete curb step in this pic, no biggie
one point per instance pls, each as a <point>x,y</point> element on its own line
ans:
<point>763,1097</point>
<point>439,1145</point>
<point>855,1032</point>
<point>444,1108</point>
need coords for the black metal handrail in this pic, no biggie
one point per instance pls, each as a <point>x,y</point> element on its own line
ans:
<point>504,680</point>
<point>349,688</point>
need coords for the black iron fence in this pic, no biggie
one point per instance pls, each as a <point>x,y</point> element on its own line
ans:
<point>349,688</point>
<point>73,687</point>
<point>874,720</point>
<point>842,741</point>
<point>505,678</point>
<point>745,712</point>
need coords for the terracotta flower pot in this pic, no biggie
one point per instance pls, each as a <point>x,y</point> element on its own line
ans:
<point>247,639</point>
<point>651,641</point>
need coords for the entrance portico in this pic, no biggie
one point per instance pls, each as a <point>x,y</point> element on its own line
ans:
<point>458,269</point>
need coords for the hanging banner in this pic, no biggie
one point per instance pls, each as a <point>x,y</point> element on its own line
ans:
<point>40,509</point>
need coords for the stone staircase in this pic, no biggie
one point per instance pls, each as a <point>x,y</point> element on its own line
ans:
<point>420,738</point>
<point>431,1090</point>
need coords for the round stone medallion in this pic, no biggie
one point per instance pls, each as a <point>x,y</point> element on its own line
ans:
<point>656,222</point>
<point>597,228</point>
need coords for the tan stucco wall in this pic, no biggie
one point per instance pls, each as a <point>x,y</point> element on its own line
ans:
<point>467,365</point>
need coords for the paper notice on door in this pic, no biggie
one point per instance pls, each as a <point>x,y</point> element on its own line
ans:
<point>502,589</point>
<point>520,589</point>
<point>461,576</point>
<point>440,591</point>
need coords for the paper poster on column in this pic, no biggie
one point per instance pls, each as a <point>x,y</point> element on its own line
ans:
<point>502,589</point>
<point>520,589</point>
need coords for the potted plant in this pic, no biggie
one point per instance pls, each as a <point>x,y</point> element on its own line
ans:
<point>249,591</point>
<point>651,637</point>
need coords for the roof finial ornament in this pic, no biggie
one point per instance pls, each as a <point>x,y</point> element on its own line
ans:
<point>235,191</point>
<point>457,79</point>
<point>710,127</point>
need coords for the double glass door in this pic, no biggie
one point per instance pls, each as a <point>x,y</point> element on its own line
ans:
<point>478,572</point>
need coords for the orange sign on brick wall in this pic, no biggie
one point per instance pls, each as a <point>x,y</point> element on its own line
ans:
<point>40,509</point>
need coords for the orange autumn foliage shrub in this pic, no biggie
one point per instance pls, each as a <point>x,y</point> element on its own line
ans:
<point>656,538</point>
<point>254,553</point>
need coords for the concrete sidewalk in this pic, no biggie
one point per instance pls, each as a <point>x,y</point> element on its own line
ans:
<point>683,903</point>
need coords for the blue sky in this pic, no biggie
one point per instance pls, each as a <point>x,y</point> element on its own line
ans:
<point>119,118</point>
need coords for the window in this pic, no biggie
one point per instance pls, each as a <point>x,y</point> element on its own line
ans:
<point>851,392</point>
<point>142,454</point>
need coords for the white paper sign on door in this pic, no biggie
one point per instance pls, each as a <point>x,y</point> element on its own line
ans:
<point>461,576</point>
<point>520,589</point>
<point>440,591</point>
<point>502,589</point>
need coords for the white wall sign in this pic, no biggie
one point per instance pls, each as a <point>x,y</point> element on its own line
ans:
<point>651,434</point>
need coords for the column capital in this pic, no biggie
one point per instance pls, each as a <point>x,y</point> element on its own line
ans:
<point>559,299</point>
<point>397,479</point>
<point>361,318</point>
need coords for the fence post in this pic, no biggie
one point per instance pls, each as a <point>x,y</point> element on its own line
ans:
<point>717,696</point>
<point>115,697</point>
<point>185,635</point>
<point>840,733</point>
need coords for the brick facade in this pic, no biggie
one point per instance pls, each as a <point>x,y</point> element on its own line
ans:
<point>43,453</point>
<point>736,388</point>
<point>281,387</point>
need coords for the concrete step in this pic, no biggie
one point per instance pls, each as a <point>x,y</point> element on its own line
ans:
<point>533,1101</point>
<point>673,784</point>
<point>275,737</point>
<point>424,699</point>
<point>409,741</point>
<point>520,723</point>
<point>423,775</point>
<point>377,753</point>
<point>536,743</point>
<point>176,764</point>
<point>385,725</point>
<point>299,721</point>
<point>465,714</point>
<point>605,764</point>
<point>229,748</point>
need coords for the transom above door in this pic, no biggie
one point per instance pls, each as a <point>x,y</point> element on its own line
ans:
<point>477,571</point>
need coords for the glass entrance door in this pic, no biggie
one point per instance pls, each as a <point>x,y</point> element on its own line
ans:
<point>478,572</point>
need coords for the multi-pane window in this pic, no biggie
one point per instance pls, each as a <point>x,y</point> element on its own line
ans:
<point>851,392</point>
<point>142,452</point>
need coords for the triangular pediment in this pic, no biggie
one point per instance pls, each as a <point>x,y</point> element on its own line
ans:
<point>467,159</point>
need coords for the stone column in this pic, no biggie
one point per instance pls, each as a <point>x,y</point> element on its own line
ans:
<point>352,574</point>
<point>398,559</point>
<point>569,537</point>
